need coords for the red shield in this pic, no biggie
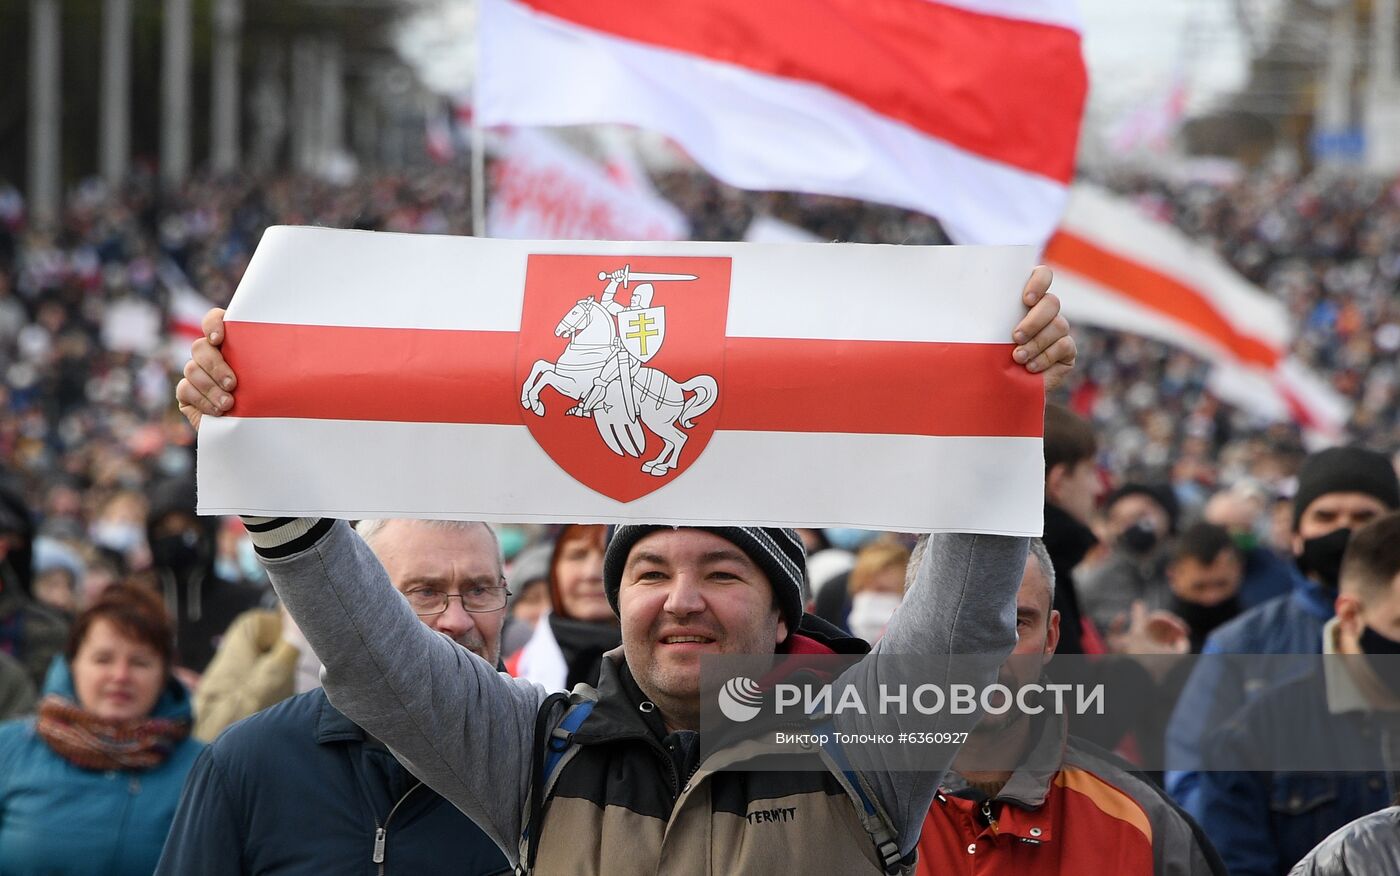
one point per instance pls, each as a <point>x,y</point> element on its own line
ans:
<point>632,437</point>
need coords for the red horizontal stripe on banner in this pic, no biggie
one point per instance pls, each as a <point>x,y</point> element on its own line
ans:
<point>320,372</point>
<point>1008,89</point>
<point>1156,291</point>
<point>777,385</point>
<point>878,387</point>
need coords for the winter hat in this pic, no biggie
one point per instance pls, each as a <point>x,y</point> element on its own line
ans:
<point>1162,494</point>
<point>1345,470</point>
<point>529,566</point>
<point>778,552</point>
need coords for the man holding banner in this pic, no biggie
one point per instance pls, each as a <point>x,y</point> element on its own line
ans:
<point>627,790</point>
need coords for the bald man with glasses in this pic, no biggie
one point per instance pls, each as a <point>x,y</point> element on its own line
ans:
<point>300,789</point>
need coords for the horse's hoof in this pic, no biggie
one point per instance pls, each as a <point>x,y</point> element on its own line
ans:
<point>538,408</point>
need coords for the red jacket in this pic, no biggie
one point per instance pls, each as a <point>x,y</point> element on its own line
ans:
<point>1088,815</point>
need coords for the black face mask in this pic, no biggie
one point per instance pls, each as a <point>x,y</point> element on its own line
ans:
<point>1202,619</point>
<point>1383,654</point>
<point>1138,539</point>
<point>1322,557</point>
<point>176,552</point>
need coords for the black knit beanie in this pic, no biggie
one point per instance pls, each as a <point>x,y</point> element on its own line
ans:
<point>778,552</point>
<point>1345,470</point>
<point>1162,494</point>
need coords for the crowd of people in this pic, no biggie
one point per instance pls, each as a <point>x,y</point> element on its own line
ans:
<point>173,695</point>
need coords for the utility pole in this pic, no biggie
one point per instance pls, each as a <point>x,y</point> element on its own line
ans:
<point>175,93</point>
<point>45,109</point>
<point>305,67</point>
<point>226,101</point>
<point>115,137</point>
<point>1334,114</point>
<point>1383,93</point>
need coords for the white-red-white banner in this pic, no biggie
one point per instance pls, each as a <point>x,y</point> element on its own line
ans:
<point>389,374</point>
<point>965,109</point>
<point>185,311</point>
<point>543,190</point>
<point>1118,268</point>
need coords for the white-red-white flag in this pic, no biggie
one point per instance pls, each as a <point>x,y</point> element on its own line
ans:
<point>439,140</point>
<point>543,190</point>
<point>1149,127</point>
<point>620,161</point>
<point>968,110</point>
<point>1118,268</point>
<point>391,374</point>
<point>185,309</point>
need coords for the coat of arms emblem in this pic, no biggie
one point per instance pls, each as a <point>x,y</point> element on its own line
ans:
<point>642,356</point>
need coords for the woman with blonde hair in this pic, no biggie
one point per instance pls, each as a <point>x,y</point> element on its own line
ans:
<point>876,587</point>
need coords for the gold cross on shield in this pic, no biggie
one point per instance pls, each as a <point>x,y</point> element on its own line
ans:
<point>642,331</point>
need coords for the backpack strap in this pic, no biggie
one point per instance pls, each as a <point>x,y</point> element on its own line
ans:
<point>550,753</point>
<point>872,816</point>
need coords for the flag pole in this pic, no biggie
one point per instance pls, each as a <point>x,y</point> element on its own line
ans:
<point>478,175</point>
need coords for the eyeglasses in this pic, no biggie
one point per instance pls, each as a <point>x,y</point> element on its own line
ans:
<point>426,602</point>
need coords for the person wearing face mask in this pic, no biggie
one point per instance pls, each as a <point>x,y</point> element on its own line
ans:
<point>877,588</point>
<point>31,633</point>
<point>568,644</point>
<point>1343,713</point>
<point>202,604</point>
<point>1203,579</point>
<point>1240,509</point>
<point>1339,489</point>
<point>1139,520</point>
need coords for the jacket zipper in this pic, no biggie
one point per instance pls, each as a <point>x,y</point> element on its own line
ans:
<point>381,832</point>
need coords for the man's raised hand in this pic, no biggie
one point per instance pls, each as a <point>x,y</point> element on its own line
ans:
<point>1044,345</point>
<point>208,384</point>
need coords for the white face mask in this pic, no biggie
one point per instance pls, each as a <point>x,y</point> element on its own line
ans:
<point>871,613</point>
<point>117,536</point>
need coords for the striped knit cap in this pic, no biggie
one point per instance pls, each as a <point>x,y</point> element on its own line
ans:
<point>778,552</point>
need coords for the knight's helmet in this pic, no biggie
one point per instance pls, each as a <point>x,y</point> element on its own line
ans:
<point>641,295</point>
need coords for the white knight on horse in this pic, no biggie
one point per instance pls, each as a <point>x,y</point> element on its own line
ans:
<point>603,368</point>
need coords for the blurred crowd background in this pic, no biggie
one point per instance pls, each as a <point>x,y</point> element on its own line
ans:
<point>91,337</point>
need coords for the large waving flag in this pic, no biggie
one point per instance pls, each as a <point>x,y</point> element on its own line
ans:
<point>968,110</point>
<point>1117,268</point>
<point>543,190</point>
<point>389,375</point>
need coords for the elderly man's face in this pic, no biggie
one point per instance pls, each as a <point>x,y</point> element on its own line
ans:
<point>687,593</point>
<point>452,560</point>
<point>1037,635</point>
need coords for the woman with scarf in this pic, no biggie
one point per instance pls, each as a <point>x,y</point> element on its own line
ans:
<point>568,644</point>
<point>90,784</point>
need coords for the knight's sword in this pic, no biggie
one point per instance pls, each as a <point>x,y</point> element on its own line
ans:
<point>628,276</point>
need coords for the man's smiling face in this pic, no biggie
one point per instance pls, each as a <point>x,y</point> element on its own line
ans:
<point>686,593</point>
